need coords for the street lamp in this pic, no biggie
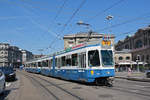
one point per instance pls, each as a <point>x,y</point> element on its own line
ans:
<point>87,25</point>
<point>109,17</point>
<point>137,61</point>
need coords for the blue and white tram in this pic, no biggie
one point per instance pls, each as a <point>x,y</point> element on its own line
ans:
<point>88,62</point>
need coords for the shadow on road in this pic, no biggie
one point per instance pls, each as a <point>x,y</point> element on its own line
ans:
<point>4,95</point>
<point>12,80</point>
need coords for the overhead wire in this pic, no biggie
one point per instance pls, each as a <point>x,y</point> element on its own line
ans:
<point>126,22</point>
<point>105,10</point>
<point>69,20</point>
<point>43,27</point>
<point>110,7</point>
<point>118,35</point>
<point>31,19</point>
<point>60,9</point>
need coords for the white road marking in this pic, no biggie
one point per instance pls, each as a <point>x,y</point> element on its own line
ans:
<point>8,84</point>
<point>142,86</point>
<point>134,90</point>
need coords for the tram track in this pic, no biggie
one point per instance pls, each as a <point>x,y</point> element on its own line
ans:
<point>66,91</point>
<point>39,83</point>
<point>128,90</point>
<point>33,77</point>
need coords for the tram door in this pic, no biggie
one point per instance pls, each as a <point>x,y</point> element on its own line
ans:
<point>82,65</point>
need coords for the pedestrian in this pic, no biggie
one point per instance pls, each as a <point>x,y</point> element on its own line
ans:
<point>129,71</point>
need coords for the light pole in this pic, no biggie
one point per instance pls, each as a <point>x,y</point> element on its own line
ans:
<point>137,61</point>
<point>109,18</point>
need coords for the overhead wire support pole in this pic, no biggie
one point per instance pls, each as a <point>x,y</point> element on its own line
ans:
<point>109,18</point>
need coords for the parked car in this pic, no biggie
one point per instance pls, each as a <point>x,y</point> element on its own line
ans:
<point>148,74</point>
<point>2,82</point>
<point>9,73</point>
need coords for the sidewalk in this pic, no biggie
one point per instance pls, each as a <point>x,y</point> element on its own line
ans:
<point>134,76</point>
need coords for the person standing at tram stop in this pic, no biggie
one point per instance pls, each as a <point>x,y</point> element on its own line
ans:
<point>129,71</point>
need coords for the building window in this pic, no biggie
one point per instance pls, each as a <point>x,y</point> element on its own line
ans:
<point>147,57</point>
<point>126,46</point>
<point>138,44</point>
<point>143,58</point>
<point>120,58</point>
<point>127,58</point>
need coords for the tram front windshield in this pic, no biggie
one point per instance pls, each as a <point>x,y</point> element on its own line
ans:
<point>107,57</point>
<point>93,57</point>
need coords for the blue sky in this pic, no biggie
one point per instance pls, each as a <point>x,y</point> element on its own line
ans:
<point>31,24</point>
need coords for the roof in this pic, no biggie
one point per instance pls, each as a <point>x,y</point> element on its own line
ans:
<point>131,63</point>
<point>85,34</point>
<point>123,51</point>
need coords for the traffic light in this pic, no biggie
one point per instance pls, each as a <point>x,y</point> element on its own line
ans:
<point>138,58</point>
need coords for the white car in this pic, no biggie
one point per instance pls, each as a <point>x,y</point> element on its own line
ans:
<point>2,82</point>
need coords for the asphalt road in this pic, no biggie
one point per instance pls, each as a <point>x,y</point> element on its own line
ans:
<point>30,86</point>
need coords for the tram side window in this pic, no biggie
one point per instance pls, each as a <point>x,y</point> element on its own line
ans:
<point>63,61</point>
<point>93,58</point>
<point>34,64</point>
<point>82,60</point>
<point>45,64</point>
<point>68,60</point>
<point>74,60</point>
<point>49,63</point>
<point>31,64</point>
<point>56,62</point>
<point>39,64</point>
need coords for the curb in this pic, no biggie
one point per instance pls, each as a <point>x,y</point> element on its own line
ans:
<point>134,79</point>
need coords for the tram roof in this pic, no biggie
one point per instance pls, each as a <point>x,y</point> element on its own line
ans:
<point>82,45</point>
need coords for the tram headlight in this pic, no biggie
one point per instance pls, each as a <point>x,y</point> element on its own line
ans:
<point>92,72</point>
<point>108,72</point>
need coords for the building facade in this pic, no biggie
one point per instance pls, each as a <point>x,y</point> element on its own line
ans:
<point>139,44</point>
<point>26,56</point>
<point>123,60</point>
<point>10,55</point>
<point>75,39</point>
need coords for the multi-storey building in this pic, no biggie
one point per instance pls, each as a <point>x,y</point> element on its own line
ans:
<point>26,56</point>
<point>10,55</point>
<point>123,60</point>
<point>4,54</point>
<point>15,57</point>
<point>75,39</point>
<point>139,44</point>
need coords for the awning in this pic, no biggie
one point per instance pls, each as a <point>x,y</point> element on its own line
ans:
<point>130,63</point>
